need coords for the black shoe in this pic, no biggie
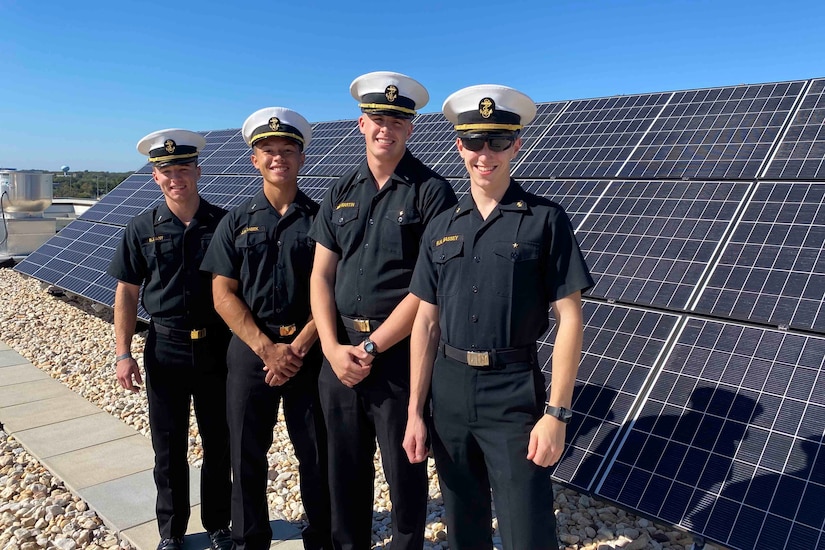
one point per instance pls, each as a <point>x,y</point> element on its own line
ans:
<point>174,543</point>
<point>220,539</point>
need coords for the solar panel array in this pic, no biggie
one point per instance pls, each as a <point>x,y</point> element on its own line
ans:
<point>700,398</point>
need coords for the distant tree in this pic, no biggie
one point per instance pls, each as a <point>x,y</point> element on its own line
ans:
<point>87,184</point>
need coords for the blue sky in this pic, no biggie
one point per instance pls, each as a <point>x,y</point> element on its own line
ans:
<point>82,81</point>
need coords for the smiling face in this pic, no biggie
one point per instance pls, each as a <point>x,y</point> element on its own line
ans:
<point>178,182</point>
<point>386,136</point>
<point>488,169</point>
<point>278,159</point>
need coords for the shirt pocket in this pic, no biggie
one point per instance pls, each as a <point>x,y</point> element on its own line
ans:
<point>343,216</point>
<point>446,258</point>
<point>253,247</point>
<point>516,269</point>
<point>401,232</point>
<point>161,258</point>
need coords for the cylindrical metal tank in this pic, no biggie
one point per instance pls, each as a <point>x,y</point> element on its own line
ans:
<point>27,192</point>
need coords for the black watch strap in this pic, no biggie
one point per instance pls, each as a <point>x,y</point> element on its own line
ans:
<point>559,412</point>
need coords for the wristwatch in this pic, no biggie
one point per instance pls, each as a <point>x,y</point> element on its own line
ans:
<point>370,347</point>
<point>559,412</point>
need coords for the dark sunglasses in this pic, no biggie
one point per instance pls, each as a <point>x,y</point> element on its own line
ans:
<point>496,144</point>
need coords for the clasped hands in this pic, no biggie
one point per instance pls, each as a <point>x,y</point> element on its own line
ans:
<point>351,364</point>
<point>281,362</point>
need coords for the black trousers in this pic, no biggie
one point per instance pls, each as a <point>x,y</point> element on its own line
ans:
<point>376,407</point>
<point>252,414</point>
<point>482,422</point>
<point>179,370</point>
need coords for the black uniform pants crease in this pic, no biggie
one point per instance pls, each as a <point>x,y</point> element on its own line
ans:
<point>481,443</point>
<point>375,408</point>
<point>252,414</point>
<point>178,371</point>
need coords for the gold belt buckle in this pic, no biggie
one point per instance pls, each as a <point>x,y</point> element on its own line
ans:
<point>478,358</point>
<point>197,333</point>
<point>287,330</point>
<point>362,325</point>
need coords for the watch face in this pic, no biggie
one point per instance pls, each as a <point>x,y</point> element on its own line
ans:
<point>369,347</point>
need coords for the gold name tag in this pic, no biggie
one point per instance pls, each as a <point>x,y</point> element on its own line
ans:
<point>449,239</point>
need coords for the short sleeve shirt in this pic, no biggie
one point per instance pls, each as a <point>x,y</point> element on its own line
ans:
<point>377,233</point>
<point>493,280</point>
<point>269,255</point>
<point>164,255</point>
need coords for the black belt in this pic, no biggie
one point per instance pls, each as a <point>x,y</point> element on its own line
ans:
<point>184,334</point>
<point>360,324</point>
<point>490,359</point>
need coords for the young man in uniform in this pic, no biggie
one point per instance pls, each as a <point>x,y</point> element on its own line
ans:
<point>261,258</point>
<point>487,273</point>
<point>185,351</point>
<point>368,233</point>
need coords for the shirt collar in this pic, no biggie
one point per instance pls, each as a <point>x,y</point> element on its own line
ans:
<point>260,202</point>
<point>514,200</point>
<point>403,171</point>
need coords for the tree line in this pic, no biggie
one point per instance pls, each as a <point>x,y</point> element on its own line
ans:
<point>87,184</point>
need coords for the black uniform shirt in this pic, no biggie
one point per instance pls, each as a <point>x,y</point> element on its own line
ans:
<point>377,233</point>
<point>269,255</point>
<point>163,254</point>
<point>493,280</point>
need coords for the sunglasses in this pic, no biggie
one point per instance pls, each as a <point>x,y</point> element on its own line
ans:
<point>496,144</point>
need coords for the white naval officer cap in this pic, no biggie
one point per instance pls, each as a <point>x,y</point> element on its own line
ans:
<point>489,108</point>
<point>171,146</point>
<point>278,122</point>
<point>389,93</point>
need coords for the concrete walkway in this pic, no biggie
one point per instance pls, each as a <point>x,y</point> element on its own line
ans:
<point>99,458</point>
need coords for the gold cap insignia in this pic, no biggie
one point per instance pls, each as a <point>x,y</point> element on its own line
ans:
<point>520,204</point>
<point>274,123</point>
<point>391,93</point>
<point>486,107</point>
<point>170,145</point>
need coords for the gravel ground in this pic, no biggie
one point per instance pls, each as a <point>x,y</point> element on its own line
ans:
<point>66,338</point>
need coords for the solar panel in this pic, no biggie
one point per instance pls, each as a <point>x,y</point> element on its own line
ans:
<point>718,133</point>
<point>326,136</point>
<point>650,242</point>
<point>773,267</point>
<point>432,140</point>
<point>621,346</point>
<point>691,407</point>
<point>591,138</point>
<point>76,260</point>
<point>728,442</point>
<point>801,153</point>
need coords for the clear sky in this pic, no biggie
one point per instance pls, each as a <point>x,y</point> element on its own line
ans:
<point>82,81</point>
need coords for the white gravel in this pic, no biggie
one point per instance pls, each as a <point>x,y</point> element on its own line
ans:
<point>67,339</point>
